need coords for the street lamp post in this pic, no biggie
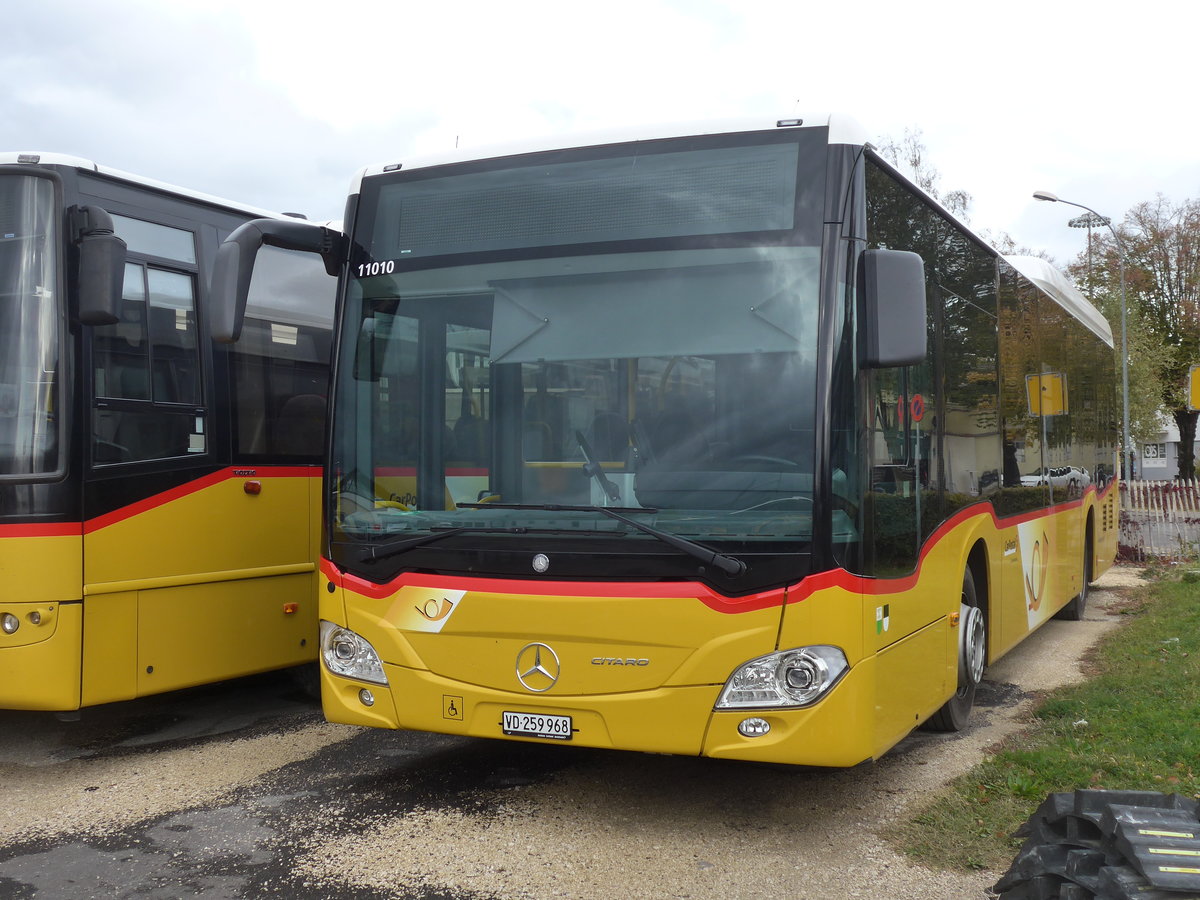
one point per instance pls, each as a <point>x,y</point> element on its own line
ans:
<point>1088,221</point>
<point>1099,219</point>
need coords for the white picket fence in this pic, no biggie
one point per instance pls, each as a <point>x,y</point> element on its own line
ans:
<point>1160,520</point>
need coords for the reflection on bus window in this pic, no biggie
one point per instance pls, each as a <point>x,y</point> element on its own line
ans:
<point>145,364</point>
<point>30,338</point>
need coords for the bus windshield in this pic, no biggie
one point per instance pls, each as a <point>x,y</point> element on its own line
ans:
<point>30,329</point>
<point>585,335</point>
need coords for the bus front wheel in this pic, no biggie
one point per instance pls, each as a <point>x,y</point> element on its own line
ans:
<point>972,654</point>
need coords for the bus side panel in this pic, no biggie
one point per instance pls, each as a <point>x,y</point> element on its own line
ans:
<point>918,649</point>
<point>1106,520</point>
<point>109,648</point>
<point>1042,566</point>
<point>226,521</point>
<point>916,676</point>
<point>39,663</point>
<point>224,573</point>
<point>48,568</point>
<point>1068,553</point>
<point>195,634</point>
<point>909,628</point>
<point>899,632</point>
<point>1009,619</point>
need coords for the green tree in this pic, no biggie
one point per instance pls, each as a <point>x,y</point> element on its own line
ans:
<point>1161,241</point>
<point>1149,358</point>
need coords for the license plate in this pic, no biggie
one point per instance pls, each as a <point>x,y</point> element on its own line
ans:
<point>557,728</point>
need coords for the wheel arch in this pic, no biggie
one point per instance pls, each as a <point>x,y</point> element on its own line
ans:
<point>1089,545</point>
<point>977,564</point>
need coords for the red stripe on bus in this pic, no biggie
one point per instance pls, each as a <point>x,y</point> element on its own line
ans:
<point>195,486</point>
<point>663,590</point>
<point>802,590</point>
<point>861,584</point>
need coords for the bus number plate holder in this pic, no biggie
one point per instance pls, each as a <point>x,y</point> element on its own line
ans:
<point>519,724</point>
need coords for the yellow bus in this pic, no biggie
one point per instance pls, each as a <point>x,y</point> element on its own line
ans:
<point>159,494</point>
<point>728,443</point>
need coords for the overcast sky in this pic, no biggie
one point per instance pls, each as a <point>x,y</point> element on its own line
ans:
<point>277,104</point>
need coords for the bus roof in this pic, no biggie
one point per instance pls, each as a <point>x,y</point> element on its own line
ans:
<point>37,158</point>
<point>842,130</point>
<point>1053,282</point>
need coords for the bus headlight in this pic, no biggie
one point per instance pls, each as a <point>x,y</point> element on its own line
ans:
<point>349,654</point>
<point>797,677</point>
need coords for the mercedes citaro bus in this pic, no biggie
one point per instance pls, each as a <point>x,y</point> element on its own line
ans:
<point>707,441</point>
<point>158,493</point>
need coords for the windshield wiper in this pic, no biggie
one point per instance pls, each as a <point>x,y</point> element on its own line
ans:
<point>375,552</point>
<point>730,565</point>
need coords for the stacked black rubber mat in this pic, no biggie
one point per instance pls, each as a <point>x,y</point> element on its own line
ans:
<point>1109,845</point>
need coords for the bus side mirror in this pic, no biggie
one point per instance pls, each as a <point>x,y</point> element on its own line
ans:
<point>101,265</point>
<point>233,267</point>
<point>891,288</point>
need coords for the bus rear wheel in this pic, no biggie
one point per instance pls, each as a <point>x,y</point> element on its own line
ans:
<point>972,655</point>
<point>1075,609</point>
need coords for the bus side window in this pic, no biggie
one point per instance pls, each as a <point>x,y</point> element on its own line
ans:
<point>145,367</point>
<point>901,501</point>
<point>279,389</point>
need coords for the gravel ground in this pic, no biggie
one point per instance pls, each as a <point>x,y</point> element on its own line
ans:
<point>98,795</point>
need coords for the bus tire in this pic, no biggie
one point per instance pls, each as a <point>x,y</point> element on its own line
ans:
<point>307,677</point>
<point>1075,609</point>
<point>972,654</point>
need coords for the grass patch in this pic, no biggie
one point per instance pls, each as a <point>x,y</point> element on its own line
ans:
<point>1134,725</point>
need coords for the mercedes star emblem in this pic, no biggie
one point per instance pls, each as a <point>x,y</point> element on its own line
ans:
<point>537,667</point>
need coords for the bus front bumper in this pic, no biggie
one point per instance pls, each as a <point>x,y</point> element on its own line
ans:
<point>837,731</point>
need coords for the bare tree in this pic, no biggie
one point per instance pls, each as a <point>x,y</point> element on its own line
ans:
<point>908,155</point>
